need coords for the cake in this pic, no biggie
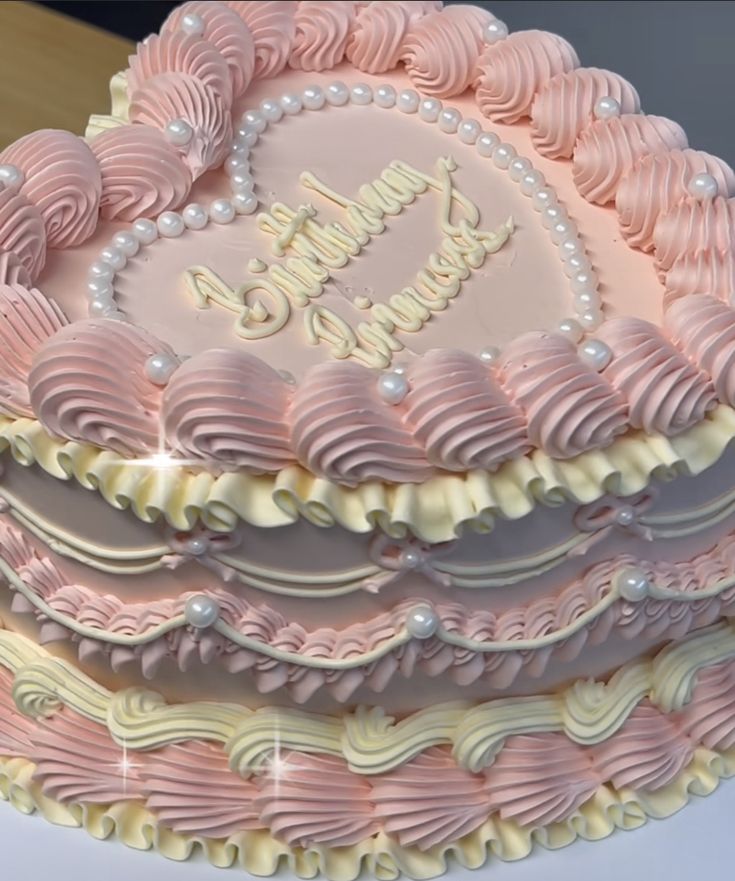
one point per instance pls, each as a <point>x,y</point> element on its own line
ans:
<point>367,388</point>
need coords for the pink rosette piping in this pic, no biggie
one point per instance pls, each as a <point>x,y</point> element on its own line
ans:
<point>569,407</point>
<point>27,320</point>
<point>441,50</point>
<point>272,24</point>
<point>22,231</point>
<point>460,415</point>
<point>704,272</point>
<point>656,183</point>
<point>514,70</point>
<point>322,30</point>
<point>142,174</point>
<point>88,383</point>
<point>376,42</point>
<point>62,179</point>
<point>170,96</point>
<point>564,107</point>
<point>12,271</point>
<point>666,394</point>
<point>691,226</point>
<point>230,407</point>
<point>227,32</point>
<point>342,430</point>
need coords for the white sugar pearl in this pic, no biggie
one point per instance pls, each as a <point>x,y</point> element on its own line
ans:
<point>551,215</point>
<point>201,611</point>
<point>236,163</point>
<point>291,104</point>
<point>578,262</point>
<point>11,177</point>
<point>178,132</point>
<point>159,368</point>
<point>571,247</point>
<point>486,144</point>
<point>197,545</point>
<point>314,98</point>
<point>518,167</point>
<point>429,109</point>
<point>503,155</point>
<point>114,256</point>
<point>222,211</point>
<point>422,622</point>
<point>625,516</point>
<point>490,354</point>
<point>195,216</point>
<point>337,94</point>
<point>449,120</point>
<point>385,96</point>
<point>531,181</point>
<point>255,120</point>
<point>100,308</point>
<point>633,585</point>
<point>170,224</point>
<point>562,230</point>
<point>127,243</point>
<point>145,231</point>
<point>242,180</point>
<point>591,319</point>
<point>469,131</point>
<point>411,558</point>
<point>595,354</point>
<point>193,24</point>
<point>408,101</point>
<point>392,387</point>
<point>101,271</point>
<point>361,94</point>
<point>99,289</point>
<point>240,148</point>
<point>606,108</point>
<point>543,198</point>
<point>583,281</point>
<point>271,110</point>
<point>244,202</point>
<point>587,299</point>
<point>571,329</point>
<point>247,136</point>
<point>703,186</point>
<point>497,30</point>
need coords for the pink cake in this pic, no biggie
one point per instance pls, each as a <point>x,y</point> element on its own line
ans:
<point>367,388</point>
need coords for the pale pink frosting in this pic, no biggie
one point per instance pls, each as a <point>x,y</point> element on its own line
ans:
<point>179,52</point>
<point>569,407</point>
<point>192,790</point>
<point>709,717</point>
<point>608,148</point>
<point>460,415</point>
<point>227,32</point>
<point>691,226</point>
<point>514,70</point>
<point>62,179</point>
<point>656,183</point>
<point>376,42</point>
<point>342,430</point>
<point>322,30</point>
<point>88,383</point>
<point>272,24</point>
<point>704,272</point>
<point>666,394</point>
<point>170,96</point>
<point>228,406</point>
<point>27,320</point>
<point>15,729</point>
<point>12,271</point>
<point>429,801</point>
<point>22,231</point>
<point>441,50</point>
<point>703,327</point>
<point>564,107</point>
<point>318,800</point>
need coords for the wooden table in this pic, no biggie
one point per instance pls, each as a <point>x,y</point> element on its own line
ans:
<point>54,71</point>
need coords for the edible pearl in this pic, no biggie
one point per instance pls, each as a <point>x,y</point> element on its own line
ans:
<point>197,545</point>
<point>497,30</point>
<point>392,387</point>
<point>337,94</point>
<point>101,271</point>
<point>114,256</point>
<point>408,101</point>
<point>195,216</point>
<point>595,354</point>
<point>625,516</point>
<point>314,98</point>
<point>422,622</point>
<point>255,120</point>
<point>239,148</point>
<point>577,263</point>
<point>503,155</point>
<point>591,319</point>
<point>247,136</point>
<point>99,289</point>
<point>170,224</point>
<point>606,108</point>
<point>584,281</point>
<point>570,249</point>
<point>552,215</point>
<point>385,96</point>
<point>178,132</point>
<point>411,558</point>
<point>531,182</point>
<point>201,611</point>
<point>585,300</point>
<point>486,144</point>
<point>236,163</point>
<point>518,167</point>
<point>100,308</point>
<point>193,24</point>
<point>490,354</point>
<point>571,329</point>
<point>159,368</point>
<point>222,211</point>
<point>449,120</point>
<point>633,585</point>
<point>361,94</point>
<point>145,231</point>
<point>429,109</point>
<point>11,177</point>
<point>242,180</point>
<point>271,110</point>
<point>291,104</point>
<point>564,229</point>
<point>703,186</point>
<point>127,243</point>
<point>244,202</point>
<point>469,131</point>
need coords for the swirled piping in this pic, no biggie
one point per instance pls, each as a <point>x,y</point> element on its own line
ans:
<point>142,174</point>
<point>569,408</point>
<point>691,226</point>
<point>170,96</point>
<point>322,30</point>
<point>658,182</point>
<point>227,32</point>
<point>12,271</point>
<point>564,107</point>
<point>28,320</point>
<point>608,148</point>
<point>376,41</point>
<point>62,179</point>
<point>272,24</point>
<point>514,70</point>
<point>442,49</point>
<point>22,231</point>
<point>88,383</point>
<point>704,272</point>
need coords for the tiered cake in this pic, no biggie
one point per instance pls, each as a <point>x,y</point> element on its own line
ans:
<point>367,387</point>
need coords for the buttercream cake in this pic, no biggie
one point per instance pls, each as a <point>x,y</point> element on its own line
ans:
<point>367,379</point>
